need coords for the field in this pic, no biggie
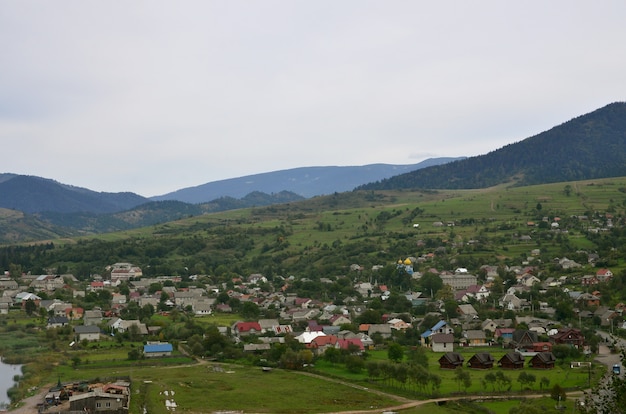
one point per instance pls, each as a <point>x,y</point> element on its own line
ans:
<point>566,377</point>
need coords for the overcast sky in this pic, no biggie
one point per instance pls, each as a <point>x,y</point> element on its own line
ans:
<point>154,96</point>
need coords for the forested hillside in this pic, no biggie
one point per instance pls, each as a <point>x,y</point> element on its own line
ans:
<point>589,146</point>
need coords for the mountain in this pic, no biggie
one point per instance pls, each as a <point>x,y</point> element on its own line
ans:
<point>587,147</point>
<point>156,212</point>
<point>305,181</point>
<point>35,194</point>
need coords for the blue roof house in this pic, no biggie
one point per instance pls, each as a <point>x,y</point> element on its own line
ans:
<point>155,350</point>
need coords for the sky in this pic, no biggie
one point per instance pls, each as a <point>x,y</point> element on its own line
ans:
<point>154,96</point>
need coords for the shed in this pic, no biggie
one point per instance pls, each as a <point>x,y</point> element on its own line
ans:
<point>451,360</point>
<point>543,360</point>
<point>481,360</point>
<point>512,360</point>
<point>157,350</point>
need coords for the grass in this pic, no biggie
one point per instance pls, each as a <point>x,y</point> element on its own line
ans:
<point>204,388</point>
<point>566,377</point>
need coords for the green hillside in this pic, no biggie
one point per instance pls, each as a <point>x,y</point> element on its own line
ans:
<point>590,146</point>
<point>323,236</point>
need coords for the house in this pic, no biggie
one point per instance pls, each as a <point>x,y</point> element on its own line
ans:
<point>320,344</point>
<point>505,333</point>
<point>92,317</point>
<point>475,337</point>
<point>57,322</point>
<point>524,340</point>
<point>510,302</point>
<point>86,333</point>
<point>451,360</point>
<point>442,342</point>
<point>223,307</point>
<point>338,320</point>
<point>440,327</point>
<point>256,347</point>
<point>351,344</point>
<point>589,280</point>
<point>246,328</point>
<point>107,399</point>
<point>308,337</point>
<point>459,281</point>
<point>468,311</point>
<point>398,324</point>
<point>542,347</point>
<point>74,313</point>
<point>604,275</point>
<point>8,284</point>
<point>121,326</point>
<point>379,328</point>
<point>481,360</point>
<point>543,360</point>
<point>569,336</point>
<point>511,360</point>
<point>157,349</point>
<point>489,325</point>
<point>202,307</point>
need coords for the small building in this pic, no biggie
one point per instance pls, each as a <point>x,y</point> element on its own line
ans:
<point>512,360</point>
<point>543,360</point>
<point>481,360</point>
<point>86,333</point>
<point>57,322</point>
<point>158,349</point>
<point>451,360</point>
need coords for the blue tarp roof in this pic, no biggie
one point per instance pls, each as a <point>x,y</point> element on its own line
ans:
<point>438,325</point>
<point>157,348</point>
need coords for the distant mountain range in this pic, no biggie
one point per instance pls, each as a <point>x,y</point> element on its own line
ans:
<point>587,147</point>
<point>52,208</point>
<point>306,181</point>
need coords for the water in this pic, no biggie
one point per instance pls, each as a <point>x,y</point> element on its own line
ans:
<point>7,372</point>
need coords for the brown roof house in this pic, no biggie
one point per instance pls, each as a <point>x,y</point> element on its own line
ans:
<point>481,360</point>
<point>475,337</point>
<point>451,360</point>
<point>512,360</point>
<point>543,360</point>
<point>442,342</point>
<point>569,336</point>
<point>523,340</point>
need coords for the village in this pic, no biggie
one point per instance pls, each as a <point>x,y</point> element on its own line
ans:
<point>526,328</point>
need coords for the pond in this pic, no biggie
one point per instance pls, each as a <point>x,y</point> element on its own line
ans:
<point>7,372</point>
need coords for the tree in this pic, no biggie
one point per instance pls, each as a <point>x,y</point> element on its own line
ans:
<point>567,190</point>
<point>431,283</point>
<point>462,377</point>
<point>250,310</point>
<point>395,352</point>
<point>526,379</point>
<point>557,393</point>
<point>30,307</point>
<point>490,378</point>
<point>417,356</point>
<point>134,354</point>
